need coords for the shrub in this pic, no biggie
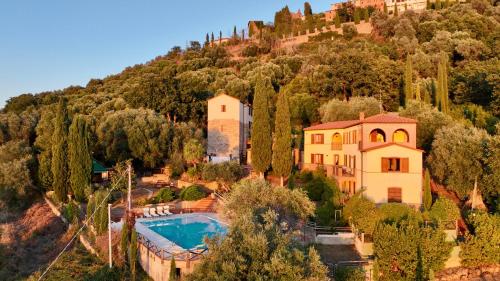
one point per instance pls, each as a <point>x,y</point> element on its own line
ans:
<point>227,172</point>
<point>349,30</point>
<point>70,212</point>
<point>250,51</point>
<point>165,195</point>
<point>194,172</point>
<point>192,193</point>
<point>396,212</point>
<point>177,164</point>
<point>362,213</point>
<point>481,247</point>
<point>349,274</point>
<point>444,210</point>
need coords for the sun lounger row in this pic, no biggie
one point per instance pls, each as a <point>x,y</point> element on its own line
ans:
<point>156,212</point>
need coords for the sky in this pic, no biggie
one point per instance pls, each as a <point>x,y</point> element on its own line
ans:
<point>52,44</point>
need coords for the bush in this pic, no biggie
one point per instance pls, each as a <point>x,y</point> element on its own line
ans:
<point>177,165</point>
<point>349,30</point>
<point>194,172</point>
<point>227,172</point>
<point>444,210</point>
<point>250,51</point>
<point>349,274</point>
<point>70,212</point>
<point>165,195</point>
<point>362,213</point>
<point>396,212</point>
<point>192,193</point>
<point>481,247</point>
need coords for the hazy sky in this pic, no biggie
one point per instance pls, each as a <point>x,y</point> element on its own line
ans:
<point>51,44</point>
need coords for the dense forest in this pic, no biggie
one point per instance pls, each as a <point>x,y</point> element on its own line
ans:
<point>438,66</point>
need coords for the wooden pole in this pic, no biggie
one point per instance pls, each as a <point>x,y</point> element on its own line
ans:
<point>129,196</point>
<point>109,237</point>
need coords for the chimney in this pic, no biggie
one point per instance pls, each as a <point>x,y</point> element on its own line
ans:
<point>361,116</point>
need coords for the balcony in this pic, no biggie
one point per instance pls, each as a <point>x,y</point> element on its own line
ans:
<point>336,146</point>
<point>343,171</point>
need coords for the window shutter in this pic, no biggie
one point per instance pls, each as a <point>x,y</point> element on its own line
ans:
<point>385,165</point>
<point>312,158</point>
<point>405,165</point>
<point>322,139</point>
<point>312,138</point>
<point>321,159</point>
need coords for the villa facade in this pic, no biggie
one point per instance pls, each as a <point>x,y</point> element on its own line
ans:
<point>229,123</point>
<point>377,154</point>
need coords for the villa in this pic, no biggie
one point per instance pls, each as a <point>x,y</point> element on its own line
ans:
<point>377,154</point>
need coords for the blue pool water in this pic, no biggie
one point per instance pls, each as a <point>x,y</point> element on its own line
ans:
<point>187,230</point>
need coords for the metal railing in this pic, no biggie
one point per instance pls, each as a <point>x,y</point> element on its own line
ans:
<point>187,255</point>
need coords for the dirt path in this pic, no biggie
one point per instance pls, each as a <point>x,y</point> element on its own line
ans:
<point>29,240</point>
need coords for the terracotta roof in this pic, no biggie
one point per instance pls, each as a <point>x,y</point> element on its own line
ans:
<point>379,118</point>
<point>390,144</point>
<point>388,118</point>
<point>333,125</point>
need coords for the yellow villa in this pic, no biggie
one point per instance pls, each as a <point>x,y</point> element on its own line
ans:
<point>377,154</point>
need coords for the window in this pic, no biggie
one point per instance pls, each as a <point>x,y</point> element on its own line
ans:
<point>395,165</point>
<point>336,159</point>
<point>336,142</point>
<point>317,158</point>
<point>317,139</point>
<point>400,135</point>
<point>223,108</point>
<point>377,135</point>
<point>394,195</point>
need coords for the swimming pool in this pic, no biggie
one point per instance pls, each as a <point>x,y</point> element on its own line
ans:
<point>185,230</point>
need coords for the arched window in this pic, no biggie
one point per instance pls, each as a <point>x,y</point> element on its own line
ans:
<point>377,135</point>
<point>336,142</point>
<point>400,135</point>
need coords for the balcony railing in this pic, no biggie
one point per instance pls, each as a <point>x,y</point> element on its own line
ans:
<point>336,146</point>
<point>344,171</point>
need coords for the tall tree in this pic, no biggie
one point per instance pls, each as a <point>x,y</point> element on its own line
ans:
<point>59,164</point>
<point>282,149</point>
<point>220,37</point>
<point>385,8</point>
<point>133,254</point>
<point>396,12</point>
<point>408,79</point>
<point>366,15</point>
<point>243,35</point>
<point>80,159</point>
<point>212,39</point>
<point>235,33</point>
<point>442,84</point>
<point>427,191</point>
<point>307,9</point>
<point>207,40</point>
<point>261,126</point>
<point>172,276</point>
<point>418,95</point>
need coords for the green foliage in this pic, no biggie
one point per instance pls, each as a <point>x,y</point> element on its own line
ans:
<point>442,84</point>
<point>427,191</point>
<point>80,161</point>
<point>336,110</point>
<point>16,163</point>
<point>481,247</point>
<point>337,21</point>
<point>408,79</point>
<point>307,9</point>
<point>261,127</point>
<point>356,16</point>
<point>172,276</point>
<point>177,165</point>
<point>59,164</point>
<point>226,172</point>
<point>71,212</point>
<point>349,30</point>
<point>457,149</point>
<point>192,193</point>
<point>282,149</point>
<point>259,242</point>
<point>124,241</point>
<point>444,209</point>
<point>362,213</point>
<point>349,274</point>
<point>100,207</point>
<point>408,251</point>
<point>164,195</point>
<point>133,254</point>
<point>397,212</point>
<point>193,151</point>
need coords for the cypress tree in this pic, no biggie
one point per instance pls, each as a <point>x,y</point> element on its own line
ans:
<point>212,39</point>
<point>418,96</point>
<point>282,149</point>
<point>356,16</point>
<point>366,15</point>
<point>337,21</point>
<point>427,191</point>
<point>207,40</point>
<point>428,5</point>
<point>172,276</point>
<point>442,84</point>
<point>235,33</point>
<point>307,9</point>
<point>243,35</point>
<point>434,94</point>
<point>396,13</point>
<point>124,241</point>
<point>437,5</point>
<point>59,165</point>
<point>80,160</point>
<point>220,37</point>
<point>385,8</point>
<point>261,127</point>
<point>408,79</point>
<point>133,254</point>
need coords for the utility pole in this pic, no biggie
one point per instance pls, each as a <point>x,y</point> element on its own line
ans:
<point>109,237</point>
<point>129,197</point>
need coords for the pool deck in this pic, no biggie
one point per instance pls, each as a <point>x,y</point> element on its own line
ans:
<point>161,242</point>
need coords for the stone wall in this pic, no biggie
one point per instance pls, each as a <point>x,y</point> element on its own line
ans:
<point>224,137</point>
<point>485,273</point>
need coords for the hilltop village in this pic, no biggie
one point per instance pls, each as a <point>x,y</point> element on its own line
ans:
<point>358,143</point>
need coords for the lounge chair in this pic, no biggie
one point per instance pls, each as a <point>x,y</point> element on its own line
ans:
<point>159,211</point>
<point>145,212</point>
<point>152,211</point>
<point>166,210</point>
